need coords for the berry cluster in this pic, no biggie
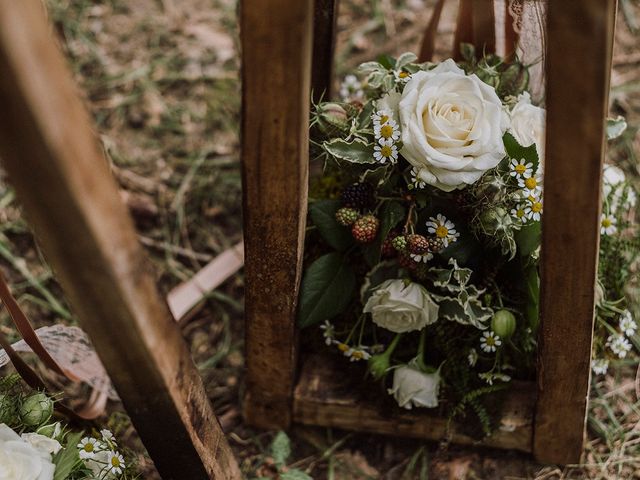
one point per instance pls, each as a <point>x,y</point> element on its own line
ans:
<point>357,198</point>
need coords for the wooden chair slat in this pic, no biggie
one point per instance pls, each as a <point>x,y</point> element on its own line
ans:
<point>61,177</point>
<point>578,69</point>
<point>324,36</point>
<point>276,43</point>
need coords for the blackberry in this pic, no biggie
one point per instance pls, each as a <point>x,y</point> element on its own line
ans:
<point>405,261</point>
<point>365,229</point>
<point>347,216</point>
<point>388,250</point>
<point>358,195</point>
<point>435,244</point>
<point>417,244</point>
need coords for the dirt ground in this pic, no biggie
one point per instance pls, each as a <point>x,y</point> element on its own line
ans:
<point>161,80</point>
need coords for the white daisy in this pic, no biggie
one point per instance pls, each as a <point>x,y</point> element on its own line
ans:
<point>520,169</point>
<point>533,211</point>
<point>380,118</point>
<point>328,332</point>
<point>422,257</point>
<point>385,153</point>
<point>443,229</point>
<point>599,366</point>
<point>608,225</point>
<point>532,185</point>
<point>88,447</point>
<point>627,324</point>
<point>416,181</point>
<point>472,357</point>
<point>401,76</point>
<point>351,89</point>
<point>356,354</point>
<point>519,213</point>
<point>490,341</point>
<point>619,345</point>
<point>387,133</point>
<point>115,463</point>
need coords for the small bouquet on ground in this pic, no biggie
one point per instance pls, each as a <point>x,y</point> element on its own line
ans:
<point>34,447</point>
<point>424,235</point>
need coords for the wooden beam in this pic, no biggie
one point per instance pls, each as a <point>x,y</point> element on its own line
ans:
<point>464,27</point>
<point>484,26</point>
<point>276,44</point>
<point>325,398</point>
<point>428,45</point>
<point>324,39</point>
<point>580,36</point>
<point>63,181</point>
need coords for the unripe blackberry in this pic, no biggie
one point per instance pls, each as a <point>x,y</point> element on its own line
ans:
<point>347,216</point>
<point>417,244</point>
<point>365,229</point>
<point>399,243</point>
<point>358,195</point>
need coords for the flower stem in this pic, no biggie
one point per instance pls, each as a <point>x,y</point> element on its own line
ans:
<point>421,350</point>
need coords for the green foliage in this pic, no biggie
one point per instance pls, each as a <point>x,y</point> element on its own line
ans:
<point>68,459</point>
<point>528,238</point>
<point>518,152</point>
<point>323,216</point>
<point>281,448</point>
<point>327,289</point>
<point>356,151</point>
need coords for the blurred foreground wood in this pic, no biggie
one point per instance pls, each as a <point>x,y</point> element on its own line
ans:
<point>56,165</point>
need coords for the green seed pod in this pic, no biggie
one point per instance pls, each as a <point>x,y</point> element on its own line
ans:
<point>494,220</point>
<point>503,323</point>
<point>333,118</point>
<point>7,409</point>
<point>36,410</point>
<point>378,365</point>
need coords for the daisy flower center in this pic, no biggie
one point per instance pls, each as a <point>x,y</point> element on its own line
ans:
<point>343,347</point>
<point>531,183</point>
<point>442,231</point>
<point>520,169</point>
<point>115,462</point>
<point>386,131</point>
<point>357,355</point>
<point>384,118</point>
<point>386,151</point>
<point>403,74</point>
<point>520,213</point>
<point>606,222</point>
<point>536,207</point>
<point>490,341</point>
<point>88,447</point>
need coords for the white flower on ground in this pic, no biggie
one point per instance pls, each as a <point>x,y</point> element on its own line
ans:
<point>520,169</point>
<point>490,377</point>
<point>107,436</point>
<point>472,357</point>
<point>528,124</point>
<point>452,126</point>
<point>387,133</point>
<point>328,332</point>
<point>380,118</point>
<point>415,388</point>
<point>351,89</point>
<point>89,446</point>
<point>358,353</point>
<point>489,341</point>
<point>619,345</point>
<point>533,211</point>
<point>21,460</point>
<point>443,229</point>
<point>599,366</point>
<point>627,325</point>
<point>416,180</point>
<point>531,185</point>
<point>115,462</point>
<point>608,225</point>
<point>385,153</point>
<point>401,307</point>
<point>519,213</point>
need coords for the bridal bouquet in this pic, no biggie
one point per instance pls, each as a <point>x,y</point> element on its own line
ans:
<point>424,235</point>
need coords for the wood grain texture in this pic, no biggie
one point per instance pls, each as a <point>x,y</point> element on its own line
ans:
<point>326,398</point>
<point>63,181</point>
<point>428,46</point>
<point>464,27</point>
<point>276,43</point>
<point>324,39</point>
<point>484,26</point>
<point>580,35</point>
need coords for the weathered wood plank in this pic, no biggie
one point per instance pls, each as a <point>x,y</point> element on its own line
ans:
<point>580,35</point>
<point>276,44</point>
<point>327,399</point>
<point>484,26</point>
<point>324,39</point>
<point>62,179</point>
<point>464,27</point>
<point>428,45</point>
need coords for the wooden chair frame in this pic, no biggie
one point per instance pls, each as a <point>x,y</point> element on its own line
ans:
<point>57,168</point>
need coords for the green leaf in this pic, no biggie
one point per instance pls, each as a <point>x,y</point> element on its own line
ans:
<point>404,59</point>
<point>323,216</point>
<point>327,288</point>
<point>517,151</point>
<point>67,459</point>
<point>367,67</point>
<point>294,474</point>
<point>528,238</point>
<point>391,214</point>
<point>280,449</point>
<point>616,127</point>
<point>355,151</point>
<point>387,61</point>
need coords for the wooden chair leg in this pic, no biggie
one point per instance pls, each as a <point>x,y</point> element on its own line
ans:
<point>324,35</point>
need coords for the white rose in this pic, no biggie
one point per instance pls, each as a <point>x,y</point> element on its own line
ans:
<point>401,307</point>
<point>19,460</point>
<point>45,445</point>
<point>528,124</point>
<point>415,388</point>
<point>452,126</point>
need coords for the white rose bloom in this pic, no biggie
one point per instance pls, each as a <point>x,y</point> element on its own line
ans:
<point>414,388</point>
<point>528,124</point>
<point>401,307</point>
<point>452,126</point>
<point>43,444</point>
<point>20,460</point>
